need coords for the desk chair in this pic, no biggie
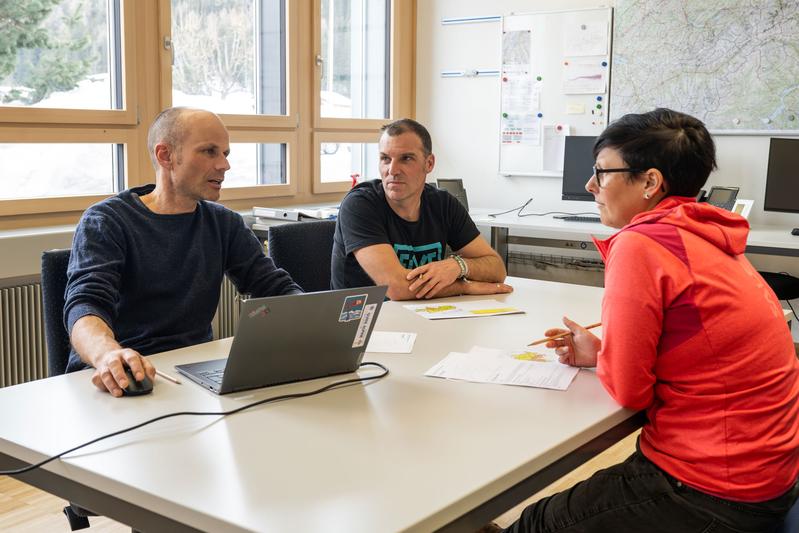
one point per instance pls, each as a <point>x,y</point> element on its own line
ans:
<point>791,522</point>
<point>785,286</point>
<point>54,284</point>
<point>304,250</point>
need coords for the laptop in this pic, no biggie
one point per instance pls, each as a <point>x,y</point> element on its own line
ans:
<point>282,339</point>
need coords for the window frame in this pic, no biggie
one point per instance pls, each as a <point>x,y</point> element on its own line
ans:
<point>124,116</point>
<point>319,187</point>
<point>146,75</point>
<point>55,204</point>
<point>402,40</point>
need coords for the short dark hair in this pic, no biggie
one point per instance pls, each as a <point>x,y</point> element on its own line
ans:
<point>676,144</point>
<point>405,125</point>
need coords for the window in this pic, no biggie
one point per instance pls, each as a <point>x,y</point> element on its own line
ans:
<point>256,164</point>
<point>363,66</point>
<point>82,80</point>
<point>229,57</point>
<point>61,54</point>
<point>347,161</point>
<point>355,58</point>
<point>68,170</point>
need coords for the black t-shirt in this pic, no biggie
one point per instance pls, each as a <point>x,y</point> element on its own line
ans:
<point>365,219</point>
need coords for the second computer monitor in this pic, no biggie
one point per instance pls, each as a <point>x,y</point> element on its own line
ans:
<point>578,166</point>
<point>454,186</point>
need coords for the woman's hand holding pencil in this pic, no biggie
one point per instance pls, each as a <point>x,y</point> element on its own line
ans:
<point>575,346</point>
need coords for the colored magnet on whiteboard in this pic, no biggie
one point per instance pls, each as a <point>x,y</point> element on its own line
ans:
<point>538,78</point>
<point>599,106</point>
<point>604,63</point>
<point>540,115</point>
<point>504,78</point>
<point>559,127</point>
<point>565,62</point>
<point>598,98</point>
<point>504,115</point>
<point>791,117</point>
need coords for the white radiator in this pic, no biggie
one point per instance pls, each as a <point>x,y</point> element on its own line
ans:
<point>23,351</point>
<point>23,355</point>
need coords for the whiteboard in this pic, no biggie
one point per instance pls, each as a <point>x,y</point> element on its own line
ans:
<point>554,81</point>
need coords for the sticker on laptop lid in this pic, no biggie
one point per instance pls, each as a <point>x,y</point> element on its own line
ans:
<point>352,308</point>
<point>363,325</point>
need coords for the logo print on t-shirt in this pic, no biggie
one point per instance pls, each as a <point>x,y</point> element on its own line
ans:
<point>414,256</point>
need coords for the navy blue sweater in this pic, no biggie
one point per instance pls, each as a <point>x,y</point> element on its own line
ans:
<point>155,279</point>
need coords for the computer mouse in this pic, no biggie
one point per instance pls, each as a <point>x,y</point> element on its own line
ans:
<point>137,388</point>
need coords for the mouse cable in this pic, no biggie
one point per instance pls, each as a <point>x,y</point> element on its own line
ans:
<point>519,209</point>
<point>326,388</point>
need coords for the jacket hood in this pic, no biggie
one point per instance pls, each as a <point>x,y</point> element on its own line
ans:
<point>723,229</point>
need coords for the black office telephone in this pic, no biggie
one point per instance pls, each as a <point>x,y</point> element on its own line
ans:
<point>723,197</point>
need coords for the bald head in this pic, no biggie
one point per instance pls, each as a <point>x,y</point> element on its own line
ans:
<point>170,127</point>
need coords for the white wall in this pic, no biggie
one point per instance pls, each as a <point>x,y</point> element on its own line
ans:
<point>463,117</point>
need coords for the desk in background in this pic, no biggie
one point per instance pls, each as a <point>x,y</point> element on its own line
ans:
<point>548,231</point>
<point>407,453</point>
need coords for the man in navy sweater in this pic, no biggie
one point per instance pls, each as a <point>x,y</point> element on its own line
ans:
<point>147,265</point>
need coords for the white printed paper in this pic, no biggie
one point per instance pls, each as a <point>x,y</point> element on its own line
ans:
<point>521,367</point>
<point>584,77</point>
<point>471,309</point>
<point>391,342</point>
<point>585,37</point>
<point>554,143</point>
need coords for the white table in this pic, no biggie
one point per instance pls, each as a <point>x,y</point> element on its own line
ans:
<point>406,453</point>
<point>546,231</point>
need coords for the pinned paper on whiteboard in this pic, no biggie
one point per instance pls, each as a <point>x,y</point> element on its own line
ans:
<point>581,76</point>
<point>584,36</point>
<point>521,129</point>
<point>554,143</point>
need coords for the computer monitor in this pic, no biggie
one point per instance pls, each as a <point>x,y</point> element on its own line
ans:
<point>578,163</point>
<point>782,176</point>
<point>454,186</point>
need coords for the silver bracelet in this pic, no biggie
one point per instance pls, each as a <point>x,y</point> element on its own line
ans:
<point>462,264</point>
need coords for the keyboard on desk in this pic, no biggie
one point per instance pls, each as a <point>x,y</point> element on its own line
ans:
<point>579,218</point>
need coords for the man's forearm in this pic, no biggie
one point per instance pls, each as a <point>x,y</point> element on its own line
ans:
<point>91,337</point>
<point>487,268</point>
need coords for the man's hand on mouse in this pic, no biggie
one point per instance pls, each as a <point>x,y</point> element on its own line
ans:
<point>109,372</point>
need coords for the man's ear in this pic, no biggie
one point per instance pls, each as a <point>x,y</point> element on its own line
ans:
<point>429,163</point>
<point>163,154</point>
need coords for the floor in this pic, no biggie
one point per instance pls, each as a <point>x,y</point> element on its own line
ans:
<point>24,509</point>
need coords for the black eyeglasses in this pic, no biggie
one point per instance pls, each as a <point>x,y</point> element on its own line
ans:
<point>599,171</point>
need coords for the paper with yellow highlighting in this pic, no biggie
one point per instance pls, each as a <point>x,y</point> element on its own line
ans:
<point>469,309</point>
<point>523,367</point>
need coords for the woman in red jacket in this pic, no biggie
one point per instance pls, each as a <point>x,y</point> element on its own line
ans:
<point>693,336</point>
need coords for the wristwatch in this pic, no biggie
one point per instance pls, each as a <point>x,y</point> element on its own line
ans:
<point>462,264</point>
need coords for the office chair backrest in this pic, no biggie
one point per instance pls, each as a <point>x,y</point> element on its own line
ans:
<point>54,283</point>
<point>304,250</point>
<point>785,286</point>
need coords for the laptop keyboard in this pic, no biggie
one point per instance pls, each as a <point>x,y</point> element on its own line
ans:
<point>213,375</point>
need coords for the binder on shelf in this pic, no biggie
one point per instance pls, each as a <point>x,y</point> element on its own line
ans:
<point>276,213</point>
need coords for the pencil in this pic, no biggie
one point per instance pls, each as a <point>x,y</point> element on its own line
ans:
<point>167,377</point>
<point>561,335</point>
